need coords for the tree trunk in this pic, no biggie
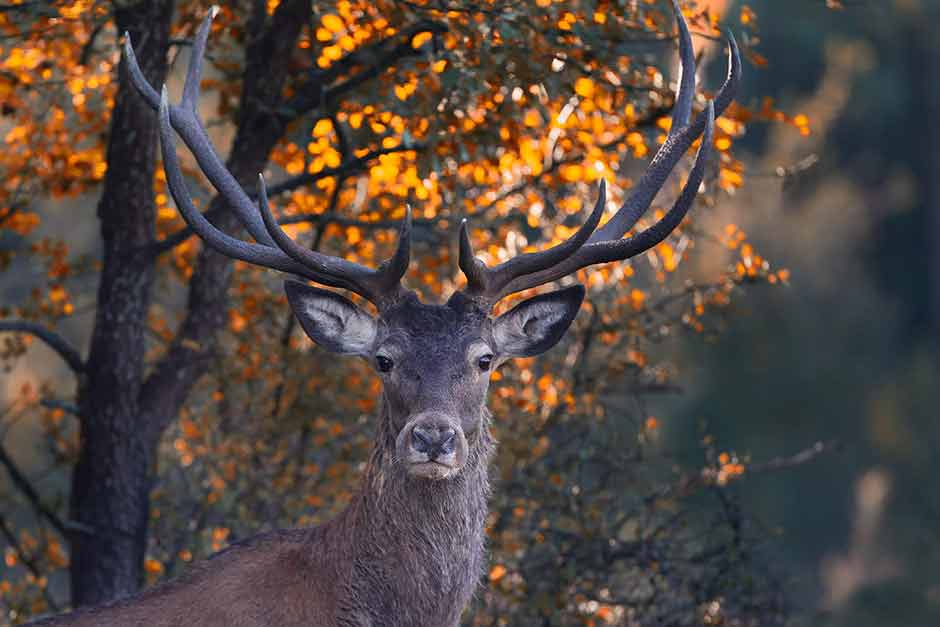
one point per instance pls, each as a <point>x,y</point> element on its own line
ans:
<point>110,484</point>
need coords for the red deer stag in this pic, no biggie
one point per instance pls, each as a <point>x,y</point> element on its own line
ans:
<point>409,549</point>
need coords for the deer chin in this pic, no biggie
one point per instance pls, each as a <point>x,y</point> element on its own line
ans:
<point>441,467</point>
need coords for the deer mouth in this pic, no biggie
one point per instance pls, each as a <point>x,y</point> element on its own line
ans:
<point>431,469</point>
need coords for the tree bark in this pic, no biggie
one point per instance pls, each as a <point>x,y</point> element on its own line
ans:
<point>111,481</point>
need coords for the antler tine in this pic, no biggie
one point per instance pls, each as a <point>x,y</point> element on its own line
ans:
<point>197,53</point>
<point>186,122</point>
<point>392,271</point>
<point>619,249</point>
<point>488,283</point>
<point>682,109</point>
<point>376,285</point>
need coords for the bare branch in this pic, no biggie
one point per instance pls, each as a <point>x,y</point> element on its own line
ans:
<point>26,489</point>
<point>52,339</point>
<point>798,459</point>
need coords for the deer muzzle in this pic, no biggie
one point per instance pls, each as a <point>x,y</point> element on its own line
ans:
<point>433,445</point>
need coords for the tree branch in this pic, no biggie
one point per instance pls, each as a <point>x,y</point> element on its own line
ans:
<point>26,488</point>
<point>798,459</point>
<point>52,339</point>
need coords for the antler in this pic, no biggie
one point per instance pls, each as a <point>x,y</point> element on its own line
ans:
<point>587,246</point>
<point>273,248</point>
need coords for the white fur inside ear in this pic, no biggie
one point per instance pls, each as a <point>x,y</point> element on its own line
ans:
<point>527,326</point>
<point>350,329</point>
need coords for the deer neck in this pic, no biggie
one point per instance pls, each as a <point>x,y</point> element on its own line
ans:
<point>429,533</point>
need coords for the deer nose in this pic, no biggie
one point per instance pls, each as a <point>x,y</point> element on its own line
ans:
<point>433,440</point>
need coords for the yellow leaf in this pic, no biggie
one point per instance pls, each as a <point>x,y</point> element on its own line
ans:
<point>332,158</point>
<point>637,299</point>
<point>572,173</point>
<point>153,566</point>
<point>420,39</point>
<point>323,128</point>
<point>532,118</point>
<point>333,23</point>
<point>747,15</point>
<point>584,87</point>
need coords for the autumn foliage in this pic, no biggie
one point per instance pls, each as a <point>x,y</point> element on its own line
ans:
<point>505,113</point>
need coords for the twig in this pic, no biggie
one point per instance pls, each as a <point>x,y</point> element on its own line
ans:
<point>52,339</point>
<point>27,489</point>
<point>803,457</point>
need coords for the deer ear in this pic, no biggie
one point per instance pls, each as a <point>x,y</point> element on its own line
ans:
<point>535,325</point>
<point>332,321</point>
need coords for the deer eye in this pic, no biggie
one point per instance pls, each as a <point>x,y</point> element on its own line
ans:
<point>383,363</point>
<point>484,362</point>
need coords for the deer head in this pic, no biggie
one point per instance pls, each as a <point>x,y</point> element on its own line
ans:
<point>434,361</point>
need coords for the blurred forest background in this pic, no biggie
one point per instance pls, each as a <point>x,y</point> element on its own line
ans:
<point>739,429</point>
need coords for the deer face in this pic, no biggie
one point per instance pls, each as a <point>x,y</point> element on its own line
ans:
<point>435,361</point>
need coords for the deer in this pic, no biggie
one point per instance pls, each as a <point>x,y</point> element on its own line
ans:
<point>409,549</point>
